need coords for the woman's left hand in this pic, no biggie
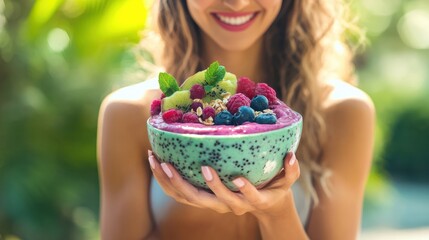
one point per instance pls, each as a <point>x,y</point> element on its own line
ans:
<point>272,200</point>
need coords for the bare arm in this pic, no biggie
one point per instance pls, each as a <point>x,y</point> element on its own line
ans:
<point>124,175</point>
<point>285,226</point>
<point>348,154</point>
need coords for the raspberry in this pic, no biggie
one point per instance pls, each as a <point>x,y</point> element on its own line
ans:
<point>190,117</point>
<point>196,105</point>
<point>162,95</point>
<point>208,112</point>
<point>172,116</point>
<point>155,107</point>
<point>246,86</point>
<point>267,91</point>
<point>197,91</point>
<point>236,101</point>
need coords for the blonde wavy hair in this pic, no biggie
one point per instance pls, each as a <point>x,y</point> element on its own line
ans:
<point>304,46</point>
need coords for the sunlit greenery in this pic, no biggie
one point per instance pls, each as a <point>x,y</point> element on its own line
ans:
<point>59,58</point>
<point>393,72</point>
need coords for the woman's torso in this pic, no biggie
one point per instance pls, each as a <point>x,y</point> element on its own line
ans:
<point>178,221</point>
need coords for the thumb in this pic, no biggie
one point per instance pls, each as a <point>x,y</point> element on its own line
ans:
<point>288,175</point>
<point>292,170</point>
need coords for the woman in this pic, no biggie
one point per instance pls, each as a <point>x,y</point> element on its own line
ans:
<point>294,46</point>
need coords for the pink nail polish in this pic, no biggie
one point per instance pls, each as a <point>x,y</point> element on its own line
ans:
<point>152,162</point>
<point>166,170</point>
<point>238,182</point>
<point>207,174</point>
<point>292,159</point>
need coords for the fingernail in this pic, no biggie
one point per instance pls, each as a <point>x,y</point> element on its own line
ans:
<point>152,162</point>
<point>166,170</point>
<point>292,159</point>
<point>149,152</point>
<point>207,174</point>
<point>238,182</point>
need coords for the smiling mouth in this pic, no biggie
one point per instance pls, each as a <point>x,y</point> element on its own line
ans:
<point>235,21</point>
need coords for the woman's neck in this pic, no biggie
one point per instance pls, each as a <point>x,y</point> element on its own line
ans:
<point>246,62</point>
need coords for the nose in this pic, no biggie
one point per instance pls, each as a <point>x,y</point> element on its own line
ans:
<point>236,5</point>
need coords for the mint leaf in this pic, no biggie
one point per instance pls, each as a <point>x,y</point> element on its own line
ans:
<point>210,72</point>
<point>220,74</point>
<point>167,83</point>
<point>214,73</point>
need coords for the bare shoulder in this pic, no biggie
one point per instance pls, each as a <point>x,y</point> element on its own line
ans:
<point>346,103</point>
<point>125,112</point>
<point>343,96</point>
<point>131,101</point>
<point>137,95</point>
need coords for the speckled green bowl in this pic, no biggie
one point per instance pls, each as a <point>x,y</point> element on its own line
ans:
<point>258,157</point>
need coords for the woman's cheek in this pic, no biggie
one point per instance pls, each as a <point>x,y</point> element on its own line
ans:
<point>199,10</point>
<point>200,5</point>
<point>271,7</point>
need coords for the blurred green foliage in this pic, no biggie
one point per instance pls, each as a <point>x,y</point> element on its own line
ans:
<point>393,71</point>
<point>58,59</point>
<point>408,155</point>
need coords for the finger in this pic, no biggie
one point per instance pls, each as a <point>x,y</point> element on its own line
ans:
<point>162,177</point>
<point>159,172</point>
<point>292,170</point>
<point>288,175</point>
<point>250,193</point>
<point>192,194</point>
<point>231,199</point>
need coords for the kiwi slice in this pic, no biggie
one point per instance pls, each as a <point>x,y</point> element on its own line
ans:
<point>228,84</point>
<point>230,77</point>
<point>197,78</point>
<point>178,100</point>
<point>220,88</point>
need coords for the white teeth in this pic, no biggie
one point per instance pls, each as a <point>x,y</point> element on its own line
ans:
<point>235,20</point>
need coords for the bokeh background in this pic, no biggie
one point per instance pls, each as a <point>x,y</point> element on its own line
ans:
<point>59,58</point>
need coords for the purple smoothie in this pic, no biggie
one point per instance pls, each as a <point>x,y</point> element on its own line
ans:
<point>285,115</point>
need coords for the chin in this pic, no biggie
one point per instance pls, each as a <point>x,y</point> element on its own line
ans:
<point>234,45</point>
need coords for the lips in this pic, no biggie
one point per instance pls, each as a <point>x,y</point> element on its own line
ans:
<point>235,21</point>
